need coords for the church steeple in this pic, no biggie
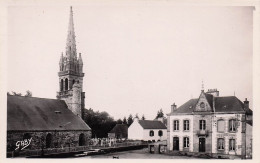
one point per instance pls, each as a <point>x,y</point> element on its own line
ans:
<point>71,51</point>
<point>71,74</point>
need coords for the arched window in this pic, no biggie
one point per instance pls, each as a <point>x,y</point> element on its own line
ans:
<point>66,84</point>
<point>221,125</point>
<point>61,85</point>
<point>151,133</point>
<point>160,133</point>
<point>232,125</point>
<point>81,139</point>
<point>48,140</point>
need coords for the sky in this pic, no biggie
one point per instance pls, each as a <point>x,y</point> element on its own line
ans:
<point>138,58</point>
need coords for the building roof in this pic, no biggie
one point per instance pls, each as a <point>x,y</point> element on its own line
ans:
<point>149,124</point>
<point>227,104</point>
<point>31,113</point>
<point>119,128</point>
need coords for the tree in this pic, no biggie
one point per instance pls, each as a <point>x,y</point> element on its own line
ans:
<point>130,120</point>
<point>16,94</point>
<point>136,115</point>
<point>100,122</point>
<point>159,114</point>
<point>143,118</point>
<point>125,121</point>
<point>119,121</point>
<point>28,94</point>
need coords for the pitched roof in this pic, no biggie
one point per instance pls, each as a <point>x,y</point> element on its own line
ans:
<point>149,124</point>
<point>186,107</point>
<point>31,113</point>
<point>228,104</point>
<point>119,128</point>
<point>209,98</point>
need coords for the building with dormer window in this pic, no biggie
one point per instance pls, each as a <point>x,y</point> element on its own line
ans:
<point>210,124</point>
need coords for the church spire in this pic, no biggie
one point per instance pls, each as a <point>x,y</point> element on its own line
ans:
<point>71,51</point>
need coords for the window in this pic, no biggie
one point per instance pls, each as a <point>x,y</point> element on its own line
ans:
<point>232,125</point>
<point>231,144</point>
<point>61,85</point>
<point>151,133</point>
<point>175,125</point>
<point>160,133</point>
<point>48,140</point>
<point>221,125</point>
<point>186,142</point>
<point>220,144</point>
<point>202,124</point>
<point>66,84</point>
<point>186,126</point>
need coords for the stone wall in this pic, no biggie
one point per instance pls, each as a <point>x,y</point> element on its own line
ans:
<point>59,139</point>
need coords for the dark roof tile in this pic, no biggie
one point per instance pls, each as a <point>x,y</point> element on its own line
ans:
<point>31,113</point>
<point>150,124</point>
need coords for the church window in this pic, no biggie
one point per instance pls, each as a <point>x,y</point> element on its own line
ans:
<point>221,125</point>
<point>61,85</point>
<point>220,144</point>
<point>66,84</point>
<point>232,125</point>
<point>151,133</point>
<point>176,125</point>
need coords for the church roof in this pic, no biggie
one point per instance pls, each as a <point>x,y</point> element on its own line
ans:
<point>37,114</point>
<point>227,104</point>
<point>150,124</point>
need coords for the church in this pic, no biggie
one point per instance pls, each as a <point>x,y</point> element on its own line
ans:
<point>40,126</point>
<point>211,125</point>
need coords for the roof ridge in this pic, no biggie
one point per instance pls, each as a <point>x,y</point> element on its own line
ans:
<point>36,97</point>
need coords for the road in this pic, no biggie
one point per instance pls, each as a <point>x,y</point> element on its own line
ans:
<point>135,154</point>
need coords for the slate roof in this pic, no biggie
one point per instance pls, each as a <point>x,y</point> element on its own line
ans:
<point>120,128</point>
<point>149,124</point>
<point>34,114</point>
<point>228,104</point>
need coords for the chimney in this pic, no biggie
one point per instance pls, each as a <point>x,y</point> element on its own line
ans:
<point>213,92</point>
<point>173,107</point>
<point>246,104</point>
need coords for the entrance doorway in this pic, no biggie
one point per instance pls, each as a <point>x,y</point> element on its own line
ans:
<point>81,139</point>
<point>175,143</point>
<point>202,145</point>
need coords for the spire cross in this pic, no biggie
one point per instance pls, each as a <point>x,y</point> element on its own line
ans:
<point>202,86</point>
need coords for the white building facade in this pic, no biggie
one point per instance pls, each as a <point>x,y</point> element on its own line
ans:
<point>147,130</point>
<point>213,125</point>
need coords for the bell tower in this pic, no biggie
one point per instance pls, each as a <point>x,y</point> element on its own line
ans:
<point>71,74</point>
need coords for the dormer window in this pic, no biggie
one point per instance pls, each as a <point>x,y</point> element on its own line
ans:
<point>58,112</point>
